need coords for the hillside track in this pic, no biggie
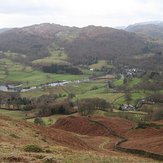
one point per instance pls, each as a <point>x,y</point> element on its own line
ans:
<point>129,139</point>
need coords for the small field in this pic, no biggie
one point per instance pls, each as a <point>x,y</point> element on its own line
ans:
<point>50,120</point>
<point>100,64</point>
<point>13,114</point>
<point>135,116</point>
<point>55,57</point>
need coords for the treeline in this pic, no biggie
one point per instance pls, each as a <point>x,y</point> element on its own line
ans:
<point>61,69</point>
<point>55,107</point>
<point>47,105</point>
<point>153,63</point>
<point>157,98</point>
<point>13,99</point>
<point>89,105</point>
<point>146,85</point>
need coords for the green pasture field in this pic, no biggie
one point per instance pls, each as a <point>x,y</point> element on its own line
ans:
<point>15,72</point>
<point>100,64</point>
<point>130,115</point>
<point>55,57</point>
<point>51,119</point>
<point>13,114</point>
<point>118,82</point>
<point>134,81</point>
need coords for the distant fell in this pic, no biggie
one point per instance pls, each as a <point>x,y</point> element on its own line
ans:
<point>150,29</point>
<point>88,42</point>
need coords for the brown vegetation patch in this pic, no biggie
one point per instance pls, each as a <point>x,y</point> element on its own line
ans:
<point>63,138</point>
<point>149,139</point>
<point>58,144</point>
<point>81,125</point>
<point>84,126</point>
<point>14,159</point>
<point>118,125</point>
<point>29,133</point>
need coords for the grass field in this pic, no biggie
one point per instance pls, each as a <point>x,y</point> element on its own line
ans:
<point>135,116</point>
<point>13,114</point>
<point>131,83</point>
<point>134,81</point>
<point>75,88</point>
<point>56,56</point>
<point>35,78</point>
<point>51,119</point>
<point>100,64</point>
<point>88,90</point>
<point>91,90</point>
<point>15,72</point>
<point>118,82</point>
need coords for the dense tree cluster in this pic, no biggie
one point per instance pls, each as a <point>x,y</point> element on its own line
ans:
<point>47,105</point>
<point>14,99</point>
<point>61,69</point>
<point>158,98</point>
<point>89,105</point>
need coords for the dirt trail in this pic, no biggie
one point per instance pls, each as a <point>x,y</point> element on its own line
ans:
<point>105,143</point>
<point>58,144</point>
<point>123,139</point>
<point>120,128</point>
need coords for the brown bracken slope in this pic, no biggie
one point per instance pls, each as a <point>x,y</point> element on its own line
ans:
<point>61,145</point>
<point>149,139</point>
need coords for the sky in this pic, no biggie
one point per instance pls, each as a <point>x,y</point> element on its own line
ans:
<point>80,13</point>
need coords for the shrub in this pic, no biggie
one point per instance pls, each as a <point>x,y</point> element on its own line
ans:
<point>47,108</point>
<point>39,121</point>
<point>144,125</point>
<point>157,114</point>
<point>93,88</point>
<point>14,136</point>
<point>71,95</point>
<point>32,148</point>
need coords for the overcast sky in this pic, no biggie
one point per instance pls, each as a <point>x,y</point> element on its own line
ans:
<point>113,13</point>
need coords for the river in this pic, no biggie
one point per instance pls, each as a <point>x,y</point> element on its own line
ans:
<point>18,88</point>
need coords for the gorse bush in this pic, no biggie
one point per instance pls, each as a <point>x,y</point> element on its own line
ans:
<point>32,148</point>
<point>39,121</point>
<point>14,136</point>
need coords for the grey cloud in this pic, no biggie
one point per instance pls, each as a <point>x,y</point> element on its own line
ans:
<point>68,12</point>
<point>26,7</point>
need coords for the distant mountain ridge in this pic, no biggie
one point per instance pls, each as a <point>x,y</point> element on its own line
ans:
<point>31,41</point>
<point>84,45</point>
<point>104,43</point>
<point>91,41</point>
<point>151,29</point>
<point>4,30</point>
<point>152,32</point>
